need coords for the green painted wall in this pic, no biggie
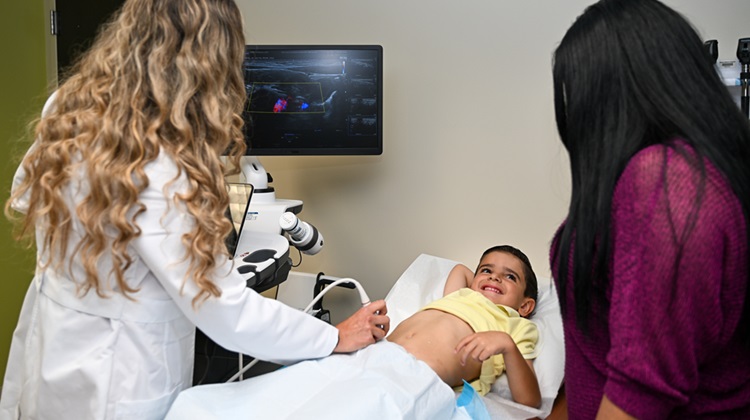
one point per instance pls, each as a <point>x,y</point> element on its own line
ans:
<point>22,94</point>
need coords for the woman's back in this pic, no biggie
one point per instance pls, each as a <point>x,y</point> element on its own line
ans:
<point>668,346</point>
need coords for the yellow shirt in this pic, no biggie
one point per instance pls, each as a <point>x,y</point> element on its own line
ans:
<point>483,315</point>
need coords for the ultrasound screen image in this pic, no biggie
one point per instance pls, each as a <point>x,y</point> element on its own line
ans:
<point>313,100</point>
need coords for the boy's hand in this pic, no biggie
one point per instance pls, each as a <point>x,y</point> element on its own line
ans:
<point>522,381</point>
<point>481,346</point>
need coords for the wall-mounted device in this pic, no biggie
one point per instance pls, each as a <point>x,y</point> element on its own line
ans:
<point>712,48</point>
<point>743,55</point>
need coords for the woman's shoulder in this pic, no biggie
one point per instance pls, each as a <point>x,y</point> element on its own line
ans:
<point>49,105</point>
<point>674,153</point>
<point>675,163</point>
<point>673,177</point>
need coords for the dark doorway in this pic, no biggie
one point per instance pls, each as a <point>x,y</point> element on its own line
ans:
<point>77,25</point>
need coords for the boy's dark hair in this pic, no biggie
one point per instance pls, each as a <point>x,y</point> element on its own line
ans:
<point>532,287</point>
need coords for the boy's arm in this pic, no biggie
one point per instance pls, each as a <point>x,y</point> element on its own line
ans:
<point>459,277</point>
<point>522,381</point>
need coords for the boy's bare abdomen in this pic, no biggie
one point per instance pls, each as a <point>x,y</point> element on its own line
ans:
<point>431,336</point>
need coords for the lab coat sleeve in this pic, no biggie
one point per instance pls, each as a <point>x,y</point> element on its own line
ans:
<point>21,204</point>
<point>240,319</point>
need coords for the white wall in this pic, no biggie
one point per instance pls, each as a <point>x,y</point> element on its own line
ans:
<point>471,155</point>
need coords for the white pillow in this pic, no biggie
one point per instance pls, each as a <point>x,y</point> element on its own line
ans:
<point>423,282</point>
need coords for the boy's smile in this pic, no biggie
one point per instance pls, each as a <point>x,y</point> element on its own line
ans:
<point>500,279</point>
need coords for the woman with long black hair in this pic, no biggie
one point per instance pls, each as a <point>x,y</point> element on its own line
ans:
<point>652,259</point>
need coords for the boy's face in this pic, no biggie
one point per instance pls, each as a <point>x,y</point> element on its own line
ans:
<point>500,278</point>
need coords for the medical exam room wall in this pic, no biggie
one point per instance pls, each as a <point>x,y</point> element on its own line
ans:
<point>471,154</point>
<point>23,81</point>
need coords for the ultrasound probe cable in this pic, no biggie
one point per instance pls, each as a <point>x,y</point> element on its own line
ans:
<point>362,296</point>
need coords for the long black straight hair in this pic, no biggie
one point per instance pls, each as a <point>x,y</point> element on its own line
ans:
<point>629,74</point>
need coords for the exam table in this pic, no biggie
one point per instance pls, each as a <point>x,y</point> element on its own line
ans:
<point>421,283</point>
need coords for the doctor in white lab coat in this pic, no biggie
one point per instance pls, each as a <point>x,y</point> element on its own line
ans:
<point>124,192</point>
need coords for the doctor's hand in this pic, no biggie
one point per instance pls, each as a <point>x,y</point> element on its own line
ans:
<point>366,326</point>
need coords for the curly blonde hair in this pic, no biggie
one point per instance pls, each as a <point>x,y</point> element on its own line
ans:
<point>162,76</point>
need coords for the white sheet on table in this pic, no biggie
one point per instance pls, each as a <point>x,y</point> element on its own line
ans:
<point>382,381</point>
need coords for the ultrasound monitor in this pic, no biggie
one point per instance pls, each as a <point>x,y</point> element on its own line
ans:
<point>313,100</point>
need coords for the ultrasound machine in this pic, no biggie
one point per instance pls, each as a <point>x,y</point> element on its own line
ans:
<point>302,100</point>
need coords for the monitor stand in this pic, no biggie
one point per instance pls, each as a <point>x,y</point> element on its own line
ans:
<point>265,209</point>
<point>262,248</point>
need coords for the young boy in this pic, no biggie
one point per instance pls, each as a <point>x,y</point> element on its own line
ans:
<point>479,328</point>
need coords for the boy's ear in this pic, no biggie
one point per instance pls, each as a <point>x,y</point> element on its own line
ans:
<point>527,307</point>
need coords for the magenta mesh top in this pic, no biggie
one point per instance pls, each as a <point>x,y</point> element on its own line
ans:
<point>667,347</point>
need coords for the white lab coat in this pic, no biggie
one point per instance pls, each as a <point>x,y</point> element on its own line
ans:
<point>88,357</point>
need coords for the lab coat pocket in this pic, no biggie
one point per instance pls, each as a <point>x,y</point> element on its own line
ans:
<point>179,350</point>
<point>163,358</point>
<point>145,409</point>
